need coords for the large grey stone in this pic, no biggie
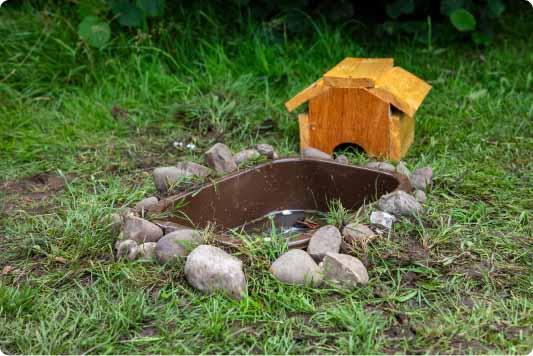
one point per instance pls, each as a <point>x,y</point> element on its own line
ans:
<point>383,166</point>
<point>343,270</point>
<point>399,203</point>
<point>296,267</point>
<point>141,230</point>
<point>382,219</point>
<point>127,249</point>
<point>177,244</point>
<point>267,150</point>
<point>146,204</point>
<point>246,155</point>
<point>357,234</point>
<point>220,158</point>
<point>310,152</point>
<point>326,239</point>
<point>401,168</point>
<point>422,178</point>
<point>210,269</point>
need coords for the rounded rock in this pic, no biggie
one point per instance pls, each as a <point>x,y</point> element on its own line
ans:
<point>400,203</point>
<point>357,233</point>
<point>266,150</point>
<point>147,250</point>
<point>422,178</point>
<point>326,239</point>
<point>311,152</point>
<point>166,177</point>
<point>210,269</point>
<point>177,244</point>
<point>296,267</point>
<point>220,158</point>
<point>127,248</point>
<point>146,204</point>
<point>342,159</point>
<point>420,196</point>
<point>246,155</point>
<point>141,230</point>
<point>343,270</point>
<point>116,222</point>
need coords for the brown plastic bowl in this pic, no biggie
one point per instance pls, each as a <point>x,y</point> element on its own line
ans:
<point>288,183</point>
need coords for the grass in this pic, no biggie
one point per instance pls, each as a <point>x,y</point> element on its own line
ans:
<point>458,280</point>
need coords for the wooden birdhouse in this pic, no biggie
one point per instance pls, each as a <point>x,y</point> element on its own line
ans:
<point>363,101</point>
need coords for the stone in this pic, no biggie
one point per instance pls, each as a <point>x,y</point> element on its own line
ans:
<point>166,177</point>
<point>266,150</point>
<point>326,239</point>
<point>296,267</point>
<point>146,204</point>
<point>382,219</point>
<point>147,250</point>
<point>310,152</point>
<point>220,158</point>
<point>383,166</point>
<point>357,234</point>
<point>115,222</point>
<point>401,168</point>
<point>191,169</point>
<point>420,196</point>
<point>169,226</point>
<point>246,155</point>
<point>140,230</point>
<point>343,270</point>
<point>177,244</point>
<point>399,203</point>
<point>127,249</point>
<point>210,269</point>
<point>422,178</point>
<point>342,159</point>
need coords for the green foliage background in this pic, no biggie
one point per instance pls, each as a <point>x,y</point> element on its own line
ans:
<point>425,20</point>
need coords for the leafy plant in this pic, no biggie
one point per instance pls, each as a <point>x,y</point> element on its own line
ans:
<point>96,31</point>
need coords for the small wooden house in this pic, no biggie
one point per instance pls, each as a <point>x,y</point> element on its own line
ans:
<point>366,102</point>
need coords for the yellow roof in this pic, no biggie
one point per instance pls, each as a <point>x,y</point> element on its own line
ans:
<point>391,84</point>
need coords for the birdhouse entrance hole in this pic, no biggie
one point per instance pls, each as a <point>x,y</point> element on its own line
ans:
<point>348,147</point>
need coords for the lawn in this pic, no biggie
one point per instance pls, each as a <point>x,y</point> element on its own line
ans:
<point>82,129</point>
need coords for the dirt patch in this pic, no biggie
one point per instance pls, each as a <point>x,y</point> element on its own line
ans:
<point>32,193</point>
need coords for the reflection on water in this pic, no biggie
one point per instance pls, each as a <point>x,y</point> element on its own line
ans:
<point>285,222</point>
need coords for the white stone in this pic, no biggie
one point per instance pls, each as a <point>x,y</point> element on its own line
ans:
<point>382,219</point>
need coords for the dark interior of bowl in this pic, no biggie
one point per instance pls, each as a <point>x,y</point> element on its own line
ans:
<point>285,184</point>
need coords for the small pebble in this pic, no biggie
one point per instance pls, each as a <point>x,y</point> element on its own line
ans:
<point>382,219</point>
